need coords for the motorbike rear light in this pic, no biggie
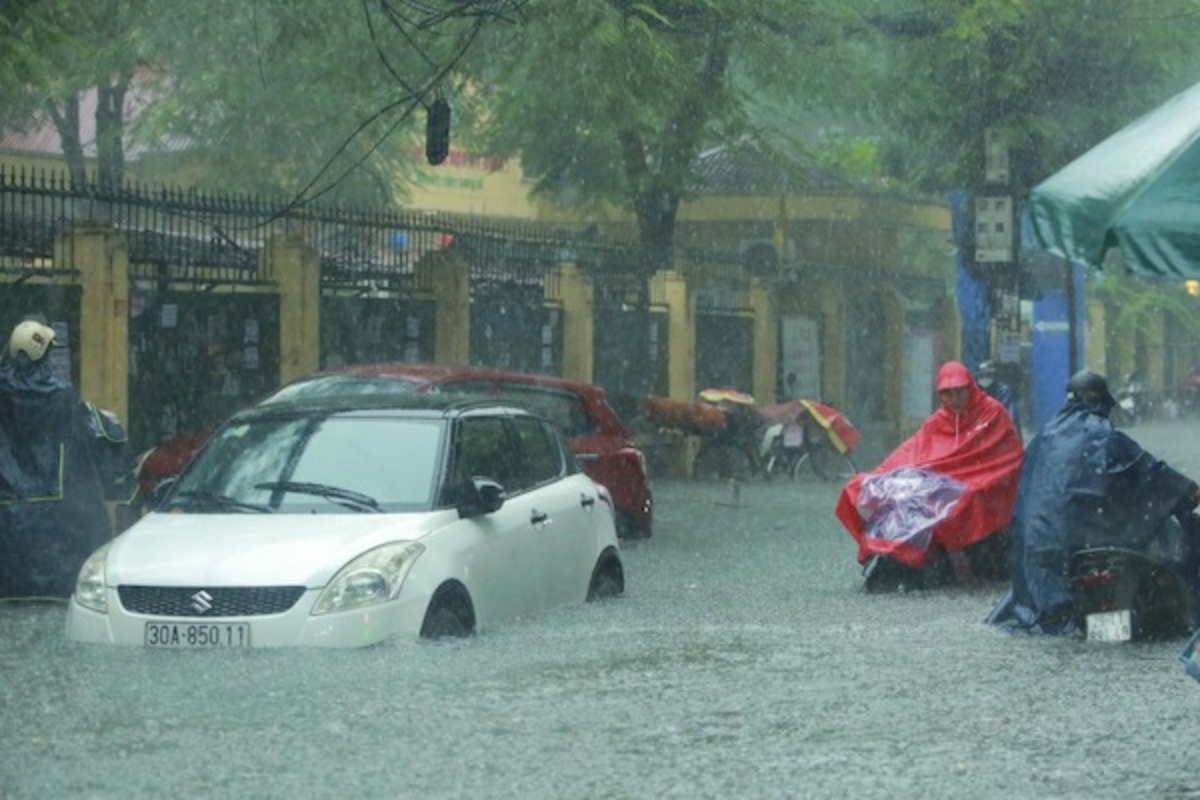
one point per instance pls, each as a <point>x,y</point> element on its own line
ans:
<point>1093,579</point>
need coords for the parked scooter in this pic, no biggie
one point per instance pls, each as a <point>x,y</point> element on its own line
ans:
<point>1189,394</point>
<point>1135,400</point>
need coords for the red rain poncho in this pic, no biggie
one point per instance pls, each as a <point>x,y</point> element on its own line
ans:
<point>979,448</point>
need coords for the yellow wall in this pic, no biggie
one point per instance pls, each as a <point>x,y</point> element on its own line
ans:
<point>463,184</point>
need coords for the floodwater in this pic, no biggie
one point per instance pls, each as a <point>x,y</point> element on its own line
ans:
<point>744,661</point>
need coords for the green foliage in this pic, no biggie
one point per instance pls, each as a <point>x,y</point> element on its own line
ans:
<point>1137,304</point>
<point>1052,76</point>
<point>314,98</point>
<point>611,103</point>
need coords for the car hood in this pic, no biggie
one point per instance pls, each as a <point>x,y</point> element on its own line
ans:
<point>254,549</point>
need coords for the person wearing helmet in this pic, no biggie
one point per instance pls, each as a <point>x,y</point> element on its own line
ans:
<point>58,456</point>
<point>935,510</point>
<point>1084,483</point>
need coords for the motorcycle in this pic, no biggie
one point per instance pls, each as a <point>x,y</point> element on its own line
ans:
<point>1135,401</point>
<point>1121,595</point>
<point>794,437</point>
<point>1189,394</point>
<point>984,560</point>
<point>902,508</point>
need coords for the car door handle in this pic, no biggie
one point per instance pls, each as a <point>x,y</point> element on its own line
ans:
<point>587,501</point>
<point>538,517</point>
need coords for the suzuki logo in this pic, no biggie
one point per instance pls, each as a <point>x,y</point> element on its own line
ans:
<point>202,602</point>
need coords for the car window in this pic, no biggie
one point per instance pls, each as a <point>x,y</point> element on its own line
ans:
<point>541,462</point>
<point>484,451</point>
<point>391,460</point>
<point>564,409</point>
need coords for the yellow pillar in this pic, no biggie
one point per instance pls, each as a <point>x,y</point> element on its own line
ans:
<point>449,279</point>
<point>295,268</point>
<point>102,259</point>
<point>891,309</point>
<point>669,288</point>
<point>1154,371</point>
<point>764,374</point>
<point>574,290</point>
<point>1095,352</point>
<point>949,329</point>
<point>1121,351</point>
<point>832,312</point>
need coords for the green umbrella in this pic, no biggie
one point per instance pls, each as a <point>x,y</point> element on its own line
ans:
<point>1138,190</point>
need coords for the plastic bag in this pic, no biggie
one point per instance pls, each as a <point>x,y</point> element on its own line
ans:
<point>905,504</point>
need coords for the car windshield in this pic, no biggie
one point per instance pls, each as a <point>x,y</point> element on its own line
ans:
<point>343,463</point>
<point>342,386</point>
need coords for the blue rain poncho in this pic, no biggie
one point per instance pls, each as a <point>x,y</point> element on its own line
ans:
<point>60,459</point>
<point>1084,484</point>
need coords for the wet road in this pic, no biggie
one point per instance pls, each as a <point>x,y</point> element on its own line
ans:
<point>744,662</point>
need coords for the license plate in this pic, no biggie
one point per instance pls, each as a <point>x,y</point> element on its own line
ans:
<point>197,634</point>
<point>1110,626</point>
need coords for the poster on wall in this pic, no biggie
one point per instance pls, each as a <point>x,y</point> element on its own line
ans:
<point>918,375</point>
<point>799,358</point>
<point>60,355</point>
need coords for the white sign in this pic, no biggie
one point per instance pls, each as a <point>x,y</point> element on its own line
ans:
<point>800,358</point>
<point>993,230</point>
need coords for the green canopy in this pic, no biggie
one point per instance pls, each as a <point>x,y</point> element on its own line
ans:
<point>1138,190</point>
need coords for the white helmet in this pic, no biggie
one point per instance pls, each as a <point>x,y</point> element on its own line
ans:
<point>31,338</point>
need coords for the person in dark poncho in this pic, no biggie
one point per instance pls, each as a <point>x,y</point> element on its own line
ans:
<point>60,459</point>
<point>1084,483</point>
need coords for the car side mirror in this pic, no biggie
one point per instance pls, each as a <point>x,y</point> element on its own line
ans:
<point>480,496</point>
<point>162,489</point>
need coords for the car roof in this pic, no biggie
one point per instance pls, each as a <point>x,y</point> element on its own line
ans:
<point>441,373</point>
<point>422,404</point>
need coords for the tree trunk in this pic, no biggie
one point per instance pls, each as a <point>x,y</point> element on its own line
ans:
<point>66,122</point>
<point>656,212</point>
<point>110,127</point>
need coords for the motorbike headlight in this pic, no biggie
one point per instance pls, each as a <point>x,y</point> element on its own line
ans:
<point>374,577</point>
<point>89,586</point>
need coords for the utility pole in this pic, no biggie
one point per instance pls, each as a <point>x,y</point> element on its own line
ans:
<point>996,249</point>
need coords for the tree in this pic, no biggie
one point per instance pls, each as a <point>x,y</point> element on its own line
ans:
<point>307,97</point>
<point>610,103</point>
<point>1052,77</point>
<point>60,51</point>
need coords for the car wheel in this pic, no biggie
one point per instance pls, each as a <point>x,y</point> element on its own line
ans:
<point>608,578</point>
<point>627,528</point>
<point>449,614</point>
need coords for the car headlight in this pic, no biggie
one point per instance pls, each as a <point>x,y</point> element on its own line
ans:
<point>89,586</point>
<point>374,577</point>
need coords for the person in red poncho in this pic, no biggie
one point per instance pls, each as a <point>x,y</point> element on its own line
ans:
<point>936,508</point>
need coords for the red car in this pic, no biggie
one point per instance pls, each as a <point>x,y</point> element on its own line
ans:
<point>601,442</point>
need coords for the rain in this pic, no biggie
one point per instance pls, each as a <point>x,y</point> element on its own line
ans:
<point>792,209</point>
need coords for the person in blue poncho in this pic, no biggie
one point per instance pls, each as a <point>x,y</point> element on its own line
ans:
<point>60,459</point>
<point>1083,484</point>
<point>1000,390</point>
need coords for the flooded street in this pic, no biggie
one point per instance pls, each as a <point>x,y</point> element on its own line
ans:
<point>744,661</point>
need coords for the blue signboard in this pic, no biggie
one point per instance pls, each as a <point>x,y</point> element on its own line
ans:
<point>1051,336</point>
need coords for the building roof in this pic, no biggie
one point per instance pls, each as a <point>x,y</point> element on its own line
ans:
<point>748,167</point>
<point>41,136</point>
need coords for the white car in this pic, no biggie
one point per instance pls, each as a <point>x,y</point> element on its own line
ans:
<point>344,521</point>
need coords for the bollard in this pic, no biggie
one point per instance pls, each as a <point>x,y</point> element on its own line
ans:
<point>735,494</point>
